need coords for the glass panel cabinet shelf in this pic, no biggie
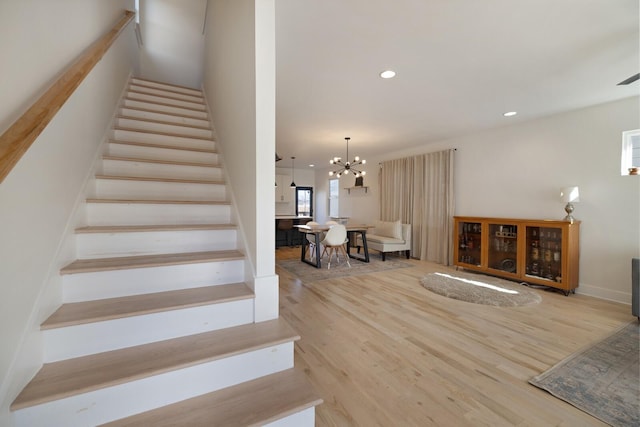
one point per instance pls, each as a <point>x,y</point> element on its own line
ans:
<point>542,252</point>
<point>469,243</point>
<point>503,247</point>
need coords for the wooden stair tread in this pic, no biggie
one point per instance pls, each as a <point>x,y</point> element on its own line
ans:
<point>159,202</point>
<point>253,403</point>
<point>181,107</point>
<point>148,228</point>
<point>144,261</point>
<point>164,113</point>
<point>70,377</point>
<point>145,86</point>
<point>158,179</point>
<point>167,147</point>
<point>115,308</point>
<point>164,84</point>
<point>152,107</point>
<point>170,134</point>
<point>162,122</point>
<point>158,161</point>
<point>165,93</point>
<point>165,96</point>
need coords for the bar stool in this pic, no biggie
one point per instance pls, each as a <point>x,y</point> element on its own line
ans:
<point>286,225</point>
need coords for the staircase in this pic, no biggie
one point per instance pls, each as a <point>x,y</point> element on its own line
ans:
<point>157,325</point>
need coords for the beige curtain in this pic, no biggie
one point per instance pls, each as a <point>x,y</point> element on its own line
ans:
<point>419,191</point>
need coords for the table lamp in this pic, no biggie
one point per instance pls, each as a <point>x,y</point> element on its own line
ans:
<point>570,195</point>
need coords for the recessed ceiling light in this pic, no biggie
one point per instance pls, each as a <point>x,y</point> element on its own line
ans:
<point>311,166</point>
<point>510,113</point>
<point>388,74</point>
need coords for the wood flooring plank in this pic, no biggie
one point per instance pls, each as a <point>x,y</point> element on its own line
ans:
<point>143,261</point>
<point>382,350</point>
<point>116,308</point>
<point>253,403</point>
<point>83,374</point>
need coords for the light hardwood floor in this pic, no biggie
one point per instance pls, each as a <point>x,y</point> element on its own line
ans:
<point>383,351</point>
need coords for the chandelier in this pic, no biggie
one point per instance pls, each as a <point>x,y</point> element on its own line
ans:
<point>348,166</point>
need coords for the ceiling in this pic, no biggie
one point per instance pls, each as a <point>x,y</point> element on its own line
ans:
<point>460,65</point>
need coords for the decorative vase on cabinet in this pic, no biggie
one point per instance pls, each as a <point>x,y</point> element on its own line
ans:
<point>544,252</point>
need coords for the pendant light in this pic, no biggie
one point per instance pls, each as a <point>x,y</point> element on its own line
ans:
<point>293,182</point>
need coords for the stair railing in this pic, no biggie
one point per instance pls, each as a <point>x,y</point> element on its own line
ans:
<point>17,139</point>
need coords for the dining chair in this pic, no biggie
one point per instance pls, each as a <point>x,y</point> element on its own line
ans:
<point>334,242</point>
<point>311,241</point>
<point>331,224</point>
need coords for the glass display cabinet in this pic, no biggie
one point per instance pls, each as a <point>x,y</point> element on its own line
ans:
<point>542,252</point>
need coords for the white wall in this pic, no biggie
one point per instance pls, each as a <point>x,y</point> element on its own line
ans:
<point>38,197</point>
<point>172,41</point>
<point>517,171</point>
<point>239,82</point>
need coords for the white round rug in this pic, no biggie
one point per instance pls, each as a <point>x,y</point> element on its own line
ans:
<point>480,289</point>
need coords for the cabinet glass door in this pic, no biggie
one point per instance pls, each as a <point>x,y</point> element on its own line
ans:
<point>503,247</point>
<point>469,242</point>
<point>544,253</point>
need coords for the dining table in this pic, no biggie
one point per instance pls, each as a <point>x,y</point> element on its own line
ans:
<point>352,231</point>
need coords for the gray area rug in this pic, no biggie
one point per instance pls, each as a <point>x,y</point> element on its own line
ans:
<point>480,289</point>
<point>602,380</point>
<point>307,273</point>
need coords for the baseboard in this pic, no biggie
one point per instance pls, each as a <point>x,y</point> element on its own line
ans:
<point>605,294</point>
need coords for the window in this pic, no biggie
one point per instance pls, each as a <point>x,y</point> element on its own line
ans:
<point>334,197</point>
<point>304,201</point>
<point>630,151</point>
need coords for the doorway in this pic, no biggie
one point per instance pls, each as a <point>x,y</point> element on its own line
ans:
<point>304,201</point>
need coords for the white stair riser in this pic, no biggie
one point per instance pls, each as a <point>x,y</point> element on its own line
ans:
<point>165,93</point>
<point>131,112</point>
<point>173,141</point>
<point>107,245</point>
<point>119,283</point>
<point>167,101</point>
<point>136,103</point>
<point>157,190</point>
<point>304,418</point>
<point>91,338</point>
<point>162,127</point>
<point>156,153</point>
<point>154,214</point>
<point>162,86</point>
<point>160,170</point>
<point>108,404</point>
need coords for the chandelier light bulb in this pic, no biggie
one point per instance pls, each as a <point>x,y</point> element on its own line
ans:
<point>347,166</point>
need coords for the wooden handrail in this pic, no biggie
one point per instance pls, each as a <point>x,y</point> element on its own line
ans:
<point>16,140</point>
